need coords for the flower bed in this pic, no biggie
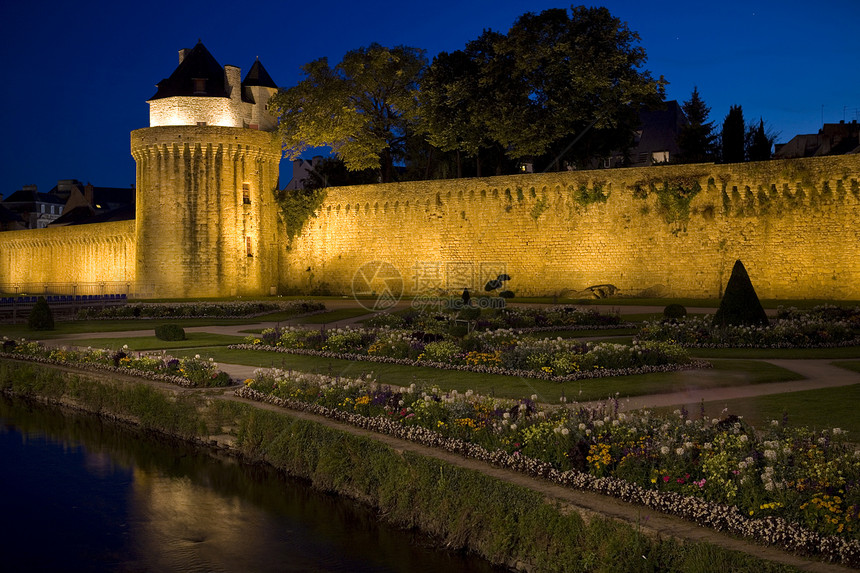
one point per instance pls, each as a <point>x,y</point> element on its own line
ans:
<point>188,372</point>
<point>502,351</point>
<point>437,317</point>
<point>199,309</point>
<point>780,485</point>
<point>793,329</point>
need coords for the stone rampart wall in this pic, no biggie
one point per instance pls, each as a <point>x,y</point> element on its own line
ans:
<point>674,231</point>
<point>102,252</point>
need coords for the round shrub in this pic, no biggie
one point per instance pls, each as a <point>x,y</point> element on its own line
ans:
<point>674,311</point>
<point>507,294</point>
<point>169,332</point>
<point>41,317</point>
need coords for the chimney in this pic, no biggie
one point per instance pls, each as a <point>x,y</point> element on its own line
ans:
<point>88,193</point>
<point>233,80</point>
<point>182,53</point>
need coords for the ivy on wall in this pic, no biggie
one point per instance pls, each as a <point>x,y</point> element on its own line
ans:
<point>297,207</point>
<point>674,195</point>
<point>585,196</point>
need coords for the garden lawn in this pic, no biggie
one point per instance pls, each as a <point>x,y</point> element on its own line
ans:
<point>855,366</point>
<point>838,352</point>
<point>63,329</point>
<point>146,343</point>
<point>724,373</point>
<point>817,409</point>
<point>334,316</point>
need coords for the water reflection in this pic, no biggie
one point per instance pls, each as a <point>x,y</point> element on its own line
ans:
<point>106,498</point>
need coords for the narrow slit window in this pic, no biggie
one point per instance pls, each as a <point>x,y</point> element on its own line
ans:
<point>246,193</point>
<point>249,249</point>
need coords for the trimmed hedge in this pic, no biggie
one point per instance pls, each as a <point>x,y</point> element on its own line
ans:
<point>169,332</point>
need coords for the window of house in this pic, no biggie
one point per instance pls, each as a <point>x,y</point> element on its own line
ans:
<point>660,157</point>
<point>199,86</point>
<point>248,247</point>
<point>43,208</point>
<point>246,193</point>
<point>52,209</point>
<point>201,123</point>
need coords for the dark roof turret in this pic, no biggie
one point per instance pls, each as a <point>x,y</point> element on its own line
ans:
<point>199,74</point>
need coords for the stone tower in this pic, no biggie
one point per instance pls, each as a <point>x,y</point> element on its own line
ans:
<point>206,220</point>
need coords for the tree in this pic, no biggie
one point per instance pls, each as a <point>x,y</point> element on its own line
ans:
<point>740,304</point>
<point>364,108</point>
<point>41,317</point>
<point>533,92</point>
<point>459,98</point>
<point>696,139</point>
<point>758,142</point>
<point>569,74</point>
<point>733,135</point>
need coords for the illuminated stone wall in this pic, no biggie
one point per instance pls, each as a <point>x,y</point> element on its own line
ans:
<point>793,223</point>
<point>206,217</point>
<point>103,252</point>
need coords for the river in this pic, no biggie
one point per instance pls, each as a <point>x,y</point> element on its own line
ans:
<point>81,494</point>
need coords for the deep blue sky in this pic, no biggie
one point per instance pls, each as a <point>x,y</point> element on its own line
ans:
<point>78,74</point>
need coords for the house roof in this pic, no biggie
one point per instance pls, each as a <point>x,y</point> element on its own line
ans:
<point>85,215</point>
<point>28,196</point>
<point>9,216</point>
<point>258,76</point>
<point>198,64</point>
<point>660,128</point>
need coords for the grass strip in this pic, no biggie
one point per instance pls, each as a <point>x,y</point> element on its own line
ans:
<point>759,353</point>
<point>817,409</point>
<point>148,343</point>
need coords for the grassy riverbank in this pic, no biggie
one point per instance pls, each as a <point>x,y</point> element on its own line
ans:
<point>457,507</point>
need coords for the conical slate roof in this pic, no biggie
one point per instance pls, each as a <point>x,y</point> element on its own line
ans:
<point>198,64</point>
<point>258,76</point>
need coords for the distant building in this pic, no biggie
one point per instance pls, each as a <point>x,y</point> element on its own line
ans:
<point>301,172</point>
<point>69,202</point>
<point>655,141</point>
<point>89,204</point>
<point>36,210</point>
<point>832,139</point>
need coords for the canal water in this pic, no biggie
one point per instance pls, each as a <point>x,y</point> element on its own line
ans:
<point>81,494</point>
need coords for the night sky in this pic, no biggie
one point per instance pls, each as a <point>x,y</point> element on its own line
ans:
<point>78,74</point>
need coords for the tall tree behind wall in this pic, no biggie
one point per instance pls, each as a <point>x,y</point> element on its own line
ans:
<point>733,136</point>
<point>696,139</point>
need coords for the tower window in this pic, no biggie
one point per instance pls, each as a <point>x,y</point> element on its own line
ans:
<point>246,193</point>
<point>199,86</point>
<point>248,247</point>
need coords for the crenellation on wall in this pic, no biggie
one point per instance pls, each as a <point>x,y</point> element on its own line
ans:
<point>563,232</point>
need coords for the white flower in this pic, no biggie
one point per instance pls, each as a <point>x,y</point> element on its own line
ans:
<point>582,427</point>
<point>744,438</point>
<point>664,450</point>
<point>564,431</point>
<point>770,454</point>
<point>679,451</point>
<point>506,415</point>
<point>513,427</point>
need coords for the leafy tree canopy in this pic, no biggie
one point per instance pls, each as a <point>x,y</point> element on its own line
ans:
<point>363,108</point>
<point>535,89</point>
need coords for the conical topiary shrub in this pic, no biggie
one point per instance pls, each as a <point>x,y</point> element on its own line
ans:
<point>740,304</point>
<point>40,317</point>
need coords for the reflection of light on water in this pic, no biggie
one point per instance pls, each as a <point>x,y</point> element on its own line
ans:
<point>184,526</point>
<point>99,464</point>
